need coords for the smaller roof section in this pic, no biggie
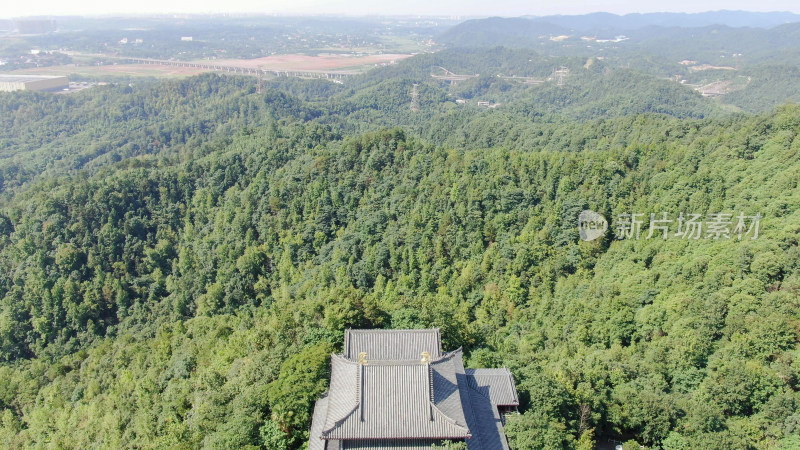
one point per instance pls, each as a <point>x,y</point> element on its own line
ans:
<point>382,345</point>
<point>495,384</point>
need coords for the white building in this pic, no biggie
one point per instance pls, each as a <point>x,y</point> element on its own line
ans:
<point>10,83</point>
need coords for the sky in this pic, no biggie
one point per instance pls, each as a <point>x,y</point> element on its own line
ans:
<point>20,8</point>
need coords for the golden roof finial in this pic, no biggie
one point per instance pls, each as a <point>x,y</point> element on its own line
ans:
<point>362,358</point>
<point>426,358</point>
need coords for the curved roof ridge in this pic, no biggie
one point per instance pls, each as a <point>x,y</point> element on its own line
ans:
<point>338,423</point>
<point>489,369</point>
<point>341,371</point>
<point>446,356</point>
<point>340,358</point>
<point>450,420</point>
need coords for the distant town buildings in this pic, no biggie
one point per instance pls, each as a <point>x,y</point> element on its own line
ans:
<point>616,39</point>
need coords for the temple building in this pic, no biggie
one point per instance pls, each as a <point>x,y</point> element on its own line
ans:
<point>396,389</point>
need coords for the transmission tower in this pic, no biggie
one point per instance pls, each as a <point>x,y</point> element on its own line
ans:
<point>560,75</point>
<point>260,84</point>
<point>414,98</point>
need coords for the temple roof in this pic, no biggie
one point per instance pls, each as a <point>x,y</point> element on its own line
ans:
<point>393,399</point>
<point>393,389</point>
<point>391,344</point>
<point>496,384</point>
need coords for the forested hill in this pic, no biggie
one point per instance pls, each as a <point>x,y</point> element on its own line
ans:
<point>742,65</point>
<point>652,48</point>
<point>189,295</point>
<point>42,136</point>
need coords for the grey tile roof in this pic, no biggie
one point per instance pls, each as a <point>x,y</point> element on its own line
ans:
<point>343,393</point>
<point>387,400</point>
<point>394,444</point>
<point>392,344</point>
<point>482,416</point>
<point>317,422</point>
<point>496,384</point>
<point>488,428</point>
<point>398,401</point>
<point>445,387</point>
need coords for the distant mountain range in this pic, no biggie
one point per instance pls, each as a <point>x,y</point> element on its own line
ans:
<point>521,31</point>
<point>601,20</point>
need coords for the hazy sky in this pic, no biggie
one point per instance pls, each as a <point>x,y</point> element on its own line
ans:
<point>17,8</point>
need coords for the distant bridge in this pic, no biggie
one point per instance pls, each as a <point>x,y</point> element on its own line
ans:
<point>450,76</point>
<point>524,80</point>
<point>331,75</point>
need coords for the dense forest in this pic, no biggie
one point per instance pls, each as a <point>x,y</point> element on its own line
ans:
<point>179,258</point>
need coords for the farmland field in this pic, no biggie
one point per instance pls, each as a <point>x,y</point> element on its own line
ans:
<point>289,62</point>
<point>126,70</point>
